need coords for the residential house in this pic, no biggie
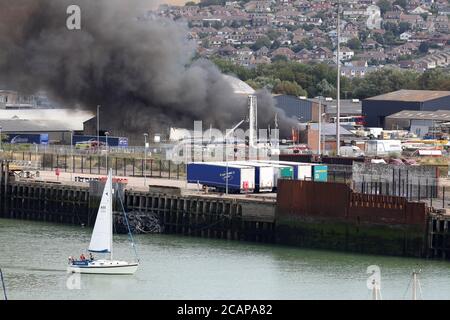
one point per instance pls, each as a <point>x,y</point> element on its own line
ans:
<point>304,55</point>
<point>282,51</point>
<point>444,11</point>
<point>415,20</point>
<point>405,36</point>
<point>262,52</point>
<point>350,71</point>
<point>323,53</point>
<point>441,24</point>
<point>257,6</point>
<point>344,54</point>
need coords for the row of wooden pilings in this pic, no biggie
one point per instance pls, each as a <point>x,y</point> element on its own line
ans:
<point>212,217</point>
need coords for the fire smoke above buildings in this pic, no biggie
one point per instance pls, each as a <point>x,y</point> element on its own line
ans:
<point>139,70</point>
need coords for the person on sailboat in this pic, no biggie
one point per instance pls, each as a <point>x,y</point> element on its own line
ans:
<point>82,257</point>
<point>91,256</point>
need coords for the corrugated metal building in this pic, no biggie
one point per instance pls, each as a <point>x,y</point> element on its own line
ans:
<point>305,110</point>
<point>418,122</point>
<point>376,109</point>
<point>58,123</point>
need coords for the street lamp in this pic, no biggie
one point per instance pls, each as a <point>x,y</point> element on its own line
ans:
<point>71,154</point>
<point>145,158</point>
<point>106,135</point>
<point>320,126</point>
<point>98,128</point>
<point>338,81</point>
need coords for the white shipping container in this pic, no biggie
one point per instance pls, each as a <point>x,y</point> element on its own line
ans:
<point>267,174</point>
<point>305,172</point>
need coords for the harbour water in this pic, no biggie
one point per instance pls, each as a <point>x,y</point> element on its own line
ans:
<point>33,257</point>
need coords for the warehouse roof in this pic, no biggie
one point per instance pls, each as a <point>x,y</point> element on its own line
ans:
<point>238,85</point>
<point>440,115</point>
<point>411,95</point>
<point>20,125</point>
<point>46,114</point>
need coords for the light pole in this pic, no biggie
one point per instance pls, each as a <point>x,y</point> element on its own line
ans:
<point>226,174</point>
<point>320,126</point>
<point>98,128</point>
<point>145,158</point>
<point>106,135</point>
<point>1,149</point>
<point>71,154</point>
<point>338,86</point>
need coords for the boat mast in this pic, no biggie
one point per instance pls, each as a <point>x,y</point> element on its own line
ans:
<point>111,210</point>
<point>415,284</point>
<point>376,293</point>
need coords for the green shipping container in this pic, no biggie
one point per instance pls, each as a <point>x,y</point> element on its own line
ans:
<point>287,173</point>
<point>320,173</point>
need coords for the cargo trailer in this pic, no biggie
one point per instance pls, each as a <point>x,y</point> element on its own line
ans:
<point>264,175</point>
<point>304,171</point>
<point>218,175</point>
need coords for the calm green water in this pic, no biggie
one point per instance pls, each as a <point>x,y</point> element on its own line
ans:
<point>33,256</point>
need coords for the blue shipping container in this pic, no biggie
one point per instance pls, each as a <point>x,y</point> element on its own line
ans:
<point>240,178</point>
<point>33,138</point>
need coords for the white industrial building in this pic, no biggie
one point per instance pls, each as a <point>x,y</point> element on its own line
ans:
<point>58,123</point>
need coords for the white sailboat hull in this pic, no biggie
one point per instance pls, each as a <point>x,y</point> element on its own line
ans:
<point>104,267</point>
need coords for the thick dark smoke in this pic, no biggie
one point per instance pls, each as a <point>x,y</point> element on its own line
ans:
<point>139,70</point>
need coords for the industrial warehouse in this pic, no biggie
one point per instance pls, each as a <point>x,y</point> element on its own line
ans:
<point>243,150</point>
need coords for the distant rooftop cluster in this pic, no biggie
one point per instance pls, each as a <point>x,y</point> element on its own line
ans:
<point>414,36</point>
<point>10,99</point>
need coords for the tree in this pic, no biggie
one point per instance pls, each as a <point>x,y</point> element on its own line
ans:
<point>401,3</point>
<point>363,35</point>
<point>389,37</point>
<point>423,48</point>
<point>289,88</point>
<point>354,44</point>
<point>261,42</point>
<point>206,3</point>
<point>190,3</point>
<point>391,26</point>
<point>385,5</point>
<point>436,79</point>
<point>385,80</point>
<point>378,37</point>
<point>298,47</point>
<point>403,27</point>
<point>275,45</point>
<point>326,89</point>
<point>278,58</point>
<point>272,34</point>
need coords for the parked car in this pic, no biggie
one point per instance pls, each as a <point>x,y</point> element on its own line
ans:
<point>378,161</point>
<point>410,162</point>
<point>396,162</point>
<point>351,151</point>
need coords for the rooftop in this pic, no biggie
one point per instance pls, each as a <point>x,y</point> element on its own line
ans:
<point>19,125</point>
<point>411,95</point>
<point>440,115</point>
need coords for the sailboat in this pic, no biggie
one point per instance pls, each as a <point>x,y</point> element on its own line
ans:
<point>102,241</point>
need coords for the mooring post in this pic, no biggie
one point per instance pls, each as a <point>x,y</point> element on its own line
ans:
<point>418,189</point>
<point>3,284</point>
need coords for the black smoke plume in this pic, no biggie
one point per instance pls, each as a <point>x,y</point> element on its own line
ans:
<point>140,70</point>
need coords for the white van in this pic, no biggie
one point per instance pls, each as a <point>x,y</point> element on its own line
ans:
<point>383,147</point>
<point>351,151</point>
